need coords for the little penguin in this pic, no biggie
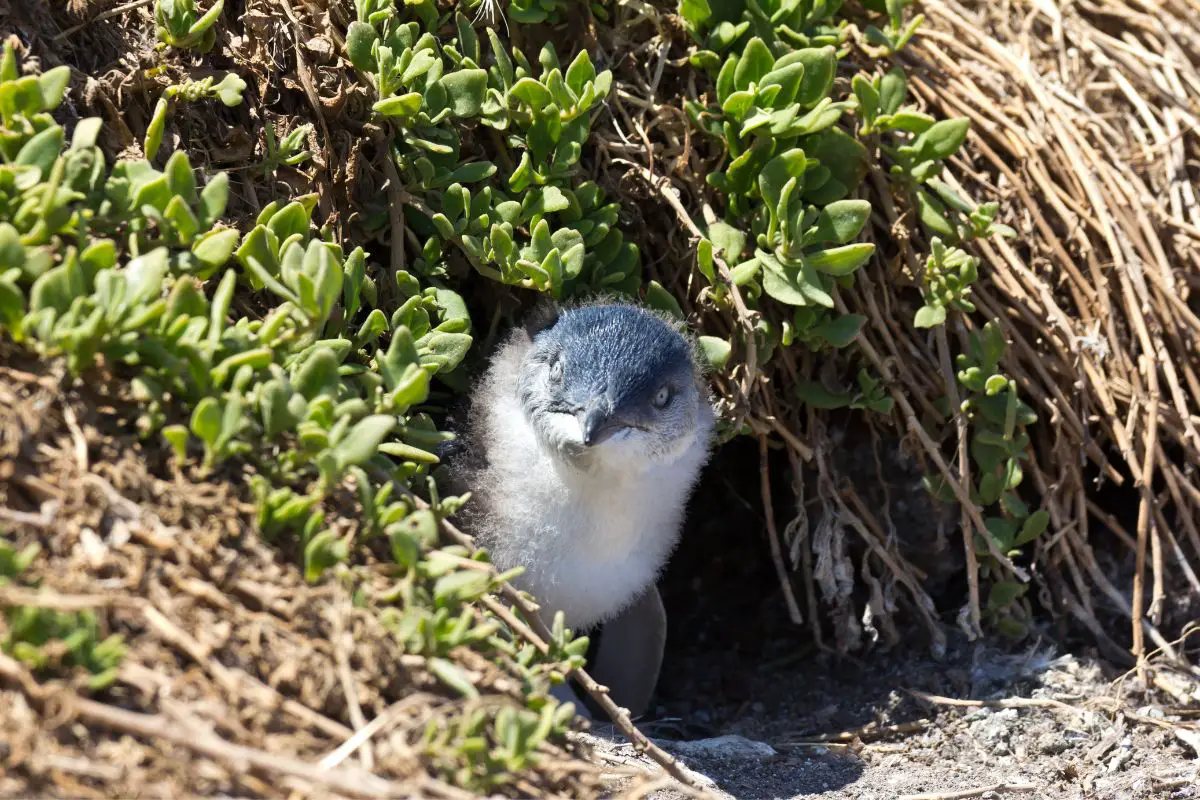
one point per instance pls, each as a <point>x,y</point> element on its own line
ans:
<point>583,442</point>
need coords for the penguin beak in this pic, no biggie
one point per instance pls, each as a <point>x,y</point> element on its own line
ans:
<point>597,423</point>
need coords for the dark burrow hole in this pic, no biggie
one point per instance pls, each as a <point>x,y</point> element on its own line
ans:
<point>735,661</point>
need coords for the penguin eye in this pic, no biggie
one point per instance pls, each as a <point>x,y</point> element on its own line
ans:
<point>556,371</point>
<point>662,397</point>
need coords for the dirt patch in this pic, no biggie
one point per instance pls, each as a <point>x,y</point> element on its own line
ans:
<point>1056,725</point>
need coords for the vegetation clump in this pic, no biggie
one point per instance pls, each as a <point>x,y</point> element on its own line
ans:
<point>276,299</point>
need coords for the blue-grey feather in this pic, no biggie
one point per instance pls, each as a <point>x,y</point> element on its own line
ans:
<point>618,350</point>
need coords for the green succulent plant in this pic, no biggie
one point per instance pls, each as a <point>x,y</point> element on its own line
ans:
<point>794,165</point>
<point>179,24</point>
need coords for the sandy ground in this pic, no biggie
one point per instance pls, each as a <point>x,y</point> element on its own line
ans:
<point>1038,725</point>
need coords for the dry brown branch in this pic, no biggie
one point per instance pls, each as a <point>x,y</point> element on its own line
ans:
<point>1009,702</point>
<point>109,14</point>
<point>870,732</point>
<point>11,596</point>
<point>998,788</point>
<point>781,570</point>
<point>42,520</point>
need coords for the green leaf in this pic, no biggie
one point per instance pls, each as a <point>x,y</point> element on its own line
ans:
<point>473,172</point>
<point>868,98</point>
<point>444,350</point>
<point>12,308</point>
<point>455,316</point>
<point>546,200</point>
<point>403,105</point>
<point>1014,505</point>
<point>405,549</point>
<point>1003,531</point>
<point>206,420</point>
<point>841,331</point>
<point>696,12</point>
<point>1035,525</point>
<point>421,62</point>
<point>208,20</point>
<point>214,197</point>
<point>892,89</point>
<point>372,328</point>
<point>991,486</point>
<point>290,220</point>
<point>42,150</point>
<point>725,85</point>
<point>275,407</point>
<point>912,121</point>
<point>154,131</point>
<point>755,62</point>
<point>453,676</point>
<point>255,359</point>
<point>788,78</point>
<point>1013,474</point>
<point>996,384</point>
<point>412,388</point>
<point>941,141</point>
<point>737,104</point>
<point>841,221</point>
<point>406,452</point>
<point>181,219</point>
<point>465,89</point>
<point>814,394</point>
<point>840,261</point>
<point>532,93</point>
<point>1003,593</point>
<point>716,351</point>
<point>930,316</point>
<point>461,586</point>
<point>819,67</point>
<point>657,297</point>
<point>145,273</point>
<point>8,63</point>
<point>12,252</point>
<point>53,85</point>
<point>56,288</point>
<point>363,440</point>
<point>86,132</point>
<point>318,374</point>
<point>580,72</point>
<point>322,552</point>
<point>215,247</point>
<point>773,178</point>
<point>229,90</point>
<point>704,260</point>
<point>177,438</point>
<point>180,178</point>
<point>728,240</point>
<point>360,41</point>
<point>949,196</point>
<point>932,215</point>
<point>796,285</point>
<point>845,158</point>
